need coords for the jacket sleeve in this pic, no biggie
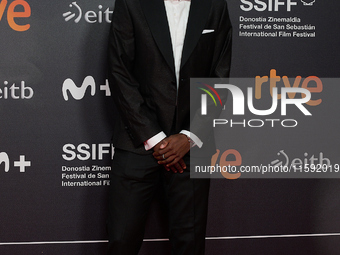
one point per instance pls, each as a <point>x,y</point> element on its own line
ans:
<point>139,120</point>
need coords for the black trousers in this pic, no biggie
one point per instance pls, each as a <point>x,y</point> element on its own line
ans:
<point>134,180</point>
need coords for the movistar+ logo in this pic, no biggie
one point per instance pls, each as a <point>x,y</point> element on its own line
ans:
<point>79,92</point>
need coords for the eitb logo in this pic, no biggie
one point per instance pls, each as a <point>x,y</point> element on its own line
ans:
<point>99,15</point>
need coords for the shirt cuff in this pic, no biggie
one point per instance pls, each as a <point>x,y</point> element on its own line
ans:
<point>193,138</point>
<point>150,143</point>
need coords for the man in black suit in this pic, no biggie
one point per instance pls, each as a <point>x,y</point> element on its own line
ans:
<point>156,46</point>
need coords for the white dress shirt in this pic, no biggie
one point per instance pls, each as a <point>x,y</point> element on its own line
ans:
<point>177,13</point>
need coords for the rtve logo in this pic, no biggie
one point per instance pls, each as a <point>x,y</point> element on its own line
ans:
<point>98,16</point>
<point>79,92</point>
<point>17,9</point>
<point>22,163</point>
<point>269,5</point>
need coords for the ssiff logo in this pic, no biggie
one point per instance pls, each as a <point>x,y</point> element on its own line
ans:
<point>308,2</point>
<point>98,16</point>
<point>86,151</point>
<point>269,5</point>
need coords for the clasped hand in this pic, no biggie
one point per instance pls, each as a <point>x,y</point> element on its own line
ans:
<point>173,148</point>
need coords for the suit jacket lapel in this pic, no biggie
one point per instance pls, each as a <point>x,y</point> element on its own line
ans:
<point>155,14</point>
<point>199,13</point>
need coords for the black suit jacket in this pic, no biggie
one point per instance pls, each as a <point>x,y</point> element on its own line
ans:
<point>142,73</point>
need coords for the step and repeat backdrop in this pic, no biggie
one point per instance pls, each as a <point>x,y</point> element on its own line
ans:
<point>57,117</point>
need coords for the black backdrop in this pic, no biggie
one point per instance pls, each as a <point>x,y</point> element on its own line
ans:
<point>56,117</point>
